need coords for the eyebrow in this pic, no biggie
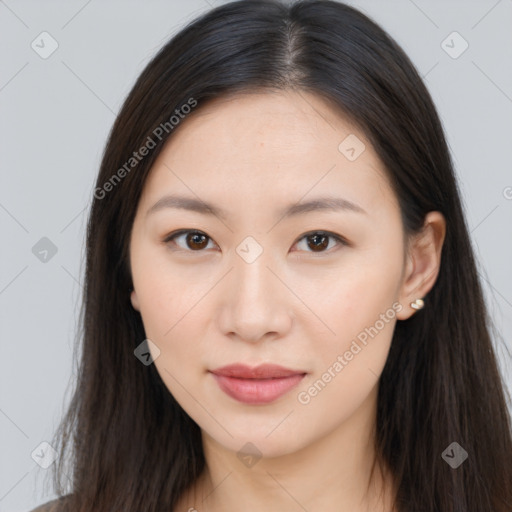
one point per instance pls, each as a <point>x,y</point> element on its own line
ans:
<point>197,205</point>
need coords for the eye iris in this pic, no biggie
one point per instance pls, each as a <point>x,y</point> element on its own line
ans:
<point>316,243</point>
<point>194,239</point>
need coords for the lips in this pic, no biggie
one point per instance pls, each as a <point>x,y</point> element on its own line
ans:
<point>259,385</point>
<point>264,371</point>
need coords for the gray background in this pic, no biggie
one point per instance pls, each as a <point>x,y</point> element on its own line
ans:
<point>56,114</point>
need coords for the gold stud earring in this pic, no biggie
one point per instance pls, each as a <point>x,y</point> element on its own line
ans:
<point>417,304</point>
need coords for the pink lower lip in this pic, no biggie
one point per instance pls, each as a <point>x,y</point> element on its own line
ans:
<point>257,391</point>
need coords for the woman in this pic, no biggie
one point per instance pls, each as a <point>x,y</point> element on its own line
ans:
<point>282,309</point>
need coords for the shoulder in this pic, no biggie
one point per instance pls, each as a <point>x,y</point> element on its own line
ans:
<point>56,505</point>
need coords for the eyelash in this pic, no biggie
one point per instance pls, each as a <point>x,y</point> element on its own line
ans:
<point>341,241</point>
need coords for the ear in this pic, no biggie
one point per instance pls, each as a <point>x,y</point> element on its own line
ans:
<point>135,300</point>
<point>423,261</point>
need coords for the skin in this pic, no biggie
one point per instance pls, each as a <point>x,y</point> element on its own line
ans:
<point>252,155</point>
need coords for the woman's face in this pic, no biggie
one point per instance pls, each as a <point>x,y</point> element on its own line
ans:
<point>257,286</point>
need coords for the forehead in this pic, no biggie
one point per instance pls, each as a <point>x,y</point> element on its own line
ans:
<point>286,118</point>
<point>269,146</point>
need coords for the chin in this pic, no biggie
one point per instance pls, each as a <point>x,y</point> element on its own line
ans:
<point>257,441</point>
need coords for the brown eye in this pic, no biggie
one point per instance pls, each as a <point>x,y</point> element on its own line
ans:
<point>195,241</point>
<point>318,241</point>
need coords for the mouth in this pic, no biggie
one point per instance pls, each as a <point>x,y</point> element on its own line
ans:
<point>260,385</point>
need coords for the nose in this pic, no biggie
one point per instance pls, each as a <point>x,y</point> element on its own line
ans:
<point>256,304</point>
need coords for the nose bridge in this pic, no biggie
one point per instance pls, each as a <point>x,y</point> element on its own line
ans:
<point>253,303</point>
<point>254,279</point>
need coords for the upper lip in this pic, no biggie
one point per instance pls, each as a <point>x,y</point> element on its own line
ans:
<point>263,371</point>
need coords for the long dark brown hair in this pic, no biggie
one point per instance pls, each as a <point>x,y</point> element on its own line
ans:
<point>125,443</point>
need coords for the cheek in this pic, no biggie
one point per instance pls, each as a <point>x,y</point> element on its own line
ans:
<point>367,282</point>
<point>160,290</point>
<point>347,365</point>
<point>168,318</point>
<point>156,303</point>
<point>356,304</point>
<point>172,310</point>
